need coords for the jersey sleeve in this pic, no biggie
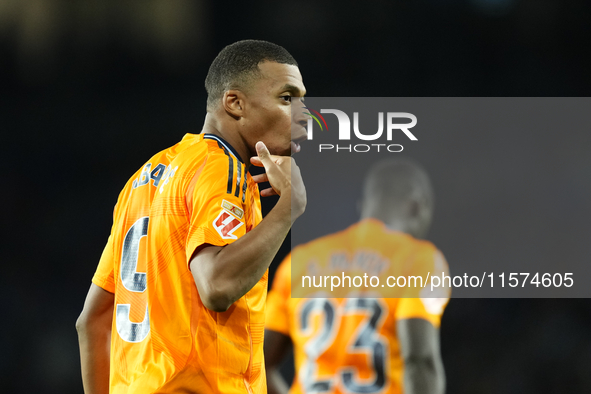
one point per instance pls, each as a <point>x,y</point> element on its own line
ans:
<point>426,303</point>
<point>104,276</point>
<point>215,206</point>
<point>277,315</point>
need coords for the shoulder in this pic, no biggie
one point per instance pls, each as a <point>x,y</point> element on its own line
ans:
<point>425,246</point>
<point>219,157</point>
<point>428,247</point>
<point>198,156</point>
<point>426,253</point>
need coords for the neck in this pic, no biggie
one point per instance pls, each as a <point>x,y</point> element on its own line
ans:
<point>395,225</point>
<point>230,133</point>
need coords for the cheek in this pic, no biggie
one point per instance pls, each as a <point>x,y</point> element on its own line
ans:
<point>286,117</point>
<point>274,123</point>
<point>279,119</point>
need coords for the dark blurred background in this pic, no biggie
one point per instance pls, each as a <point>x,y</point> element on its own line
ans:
<point>90,90</point>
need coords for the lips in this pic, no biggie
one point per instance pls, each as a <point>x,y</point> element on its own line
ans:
<point>295,144</point>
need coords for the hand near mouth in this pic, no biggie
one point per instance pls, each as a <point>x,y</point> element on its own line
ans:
<point>284,176</point>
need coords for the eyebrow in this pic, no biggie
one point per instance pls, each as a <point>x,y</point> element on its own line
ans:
<point>292,89</point>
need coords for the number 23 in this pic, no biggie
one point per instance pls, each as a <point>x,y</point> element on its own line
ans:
<point>366,340</point>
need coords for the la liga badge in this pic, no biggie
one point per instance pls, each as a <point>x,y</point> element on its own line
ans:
<point>225,224</point>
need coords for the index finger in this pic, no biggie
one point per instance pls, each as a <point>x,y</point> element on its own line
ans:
<point>263,153</point>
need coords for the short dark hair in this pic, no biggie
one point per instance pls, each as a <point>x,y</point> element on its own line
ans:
<point>237,65</point>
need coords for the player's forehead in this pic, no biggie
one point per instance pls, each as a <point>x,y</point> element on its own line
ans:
<point>279,77</point>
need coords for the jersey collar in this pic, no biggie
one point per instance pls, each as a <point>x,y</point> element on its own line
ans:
<point>225,144</point>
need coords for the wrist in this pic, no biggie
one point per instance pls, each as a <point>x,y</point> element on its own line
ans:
<point>289,207</point>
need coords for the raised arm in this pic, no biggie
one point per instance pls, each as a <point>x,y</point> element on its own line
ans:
<point>423,367</point>
<point>94,337</point>
<point>224,274</point>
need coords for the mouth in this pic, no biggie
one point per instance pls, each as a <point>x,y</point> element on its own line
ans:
<point>295,144</point>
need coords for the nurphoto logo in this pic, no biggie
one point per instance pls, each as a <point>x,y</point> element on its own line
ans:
<point>393,125</point>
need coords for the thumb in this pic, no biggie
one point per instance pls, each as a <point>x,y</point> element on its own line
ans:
<point>263,154</point>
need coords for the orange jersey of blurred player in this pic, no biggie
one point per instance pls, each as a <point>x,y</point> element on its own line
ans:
<point>350,345</point>
<point>163,338</point>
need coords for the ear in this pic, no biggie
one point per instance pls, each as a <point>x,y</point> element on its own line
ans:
<point>233,103</point>
<point>414,208</point>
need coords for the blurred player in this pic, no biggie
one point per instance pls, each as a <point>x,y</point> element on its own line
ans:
<point>177,304</point>
<point>364,345</point>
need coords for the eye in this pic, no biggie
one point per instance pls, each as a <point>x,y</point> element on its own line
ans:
<point>286,98</point>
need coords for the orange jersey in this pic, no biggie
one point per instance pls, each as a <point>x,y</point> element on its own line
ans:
<point>164,340</point>
<point>349,345</point>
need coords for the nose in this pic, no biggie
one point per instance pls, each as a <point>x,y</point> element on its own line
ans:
<point>298,113</point>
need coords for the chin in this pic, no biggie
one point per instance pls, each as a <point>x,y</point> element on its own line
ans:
<point>274,151</point>
<point>281,152</point>
<point>278,151</point>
